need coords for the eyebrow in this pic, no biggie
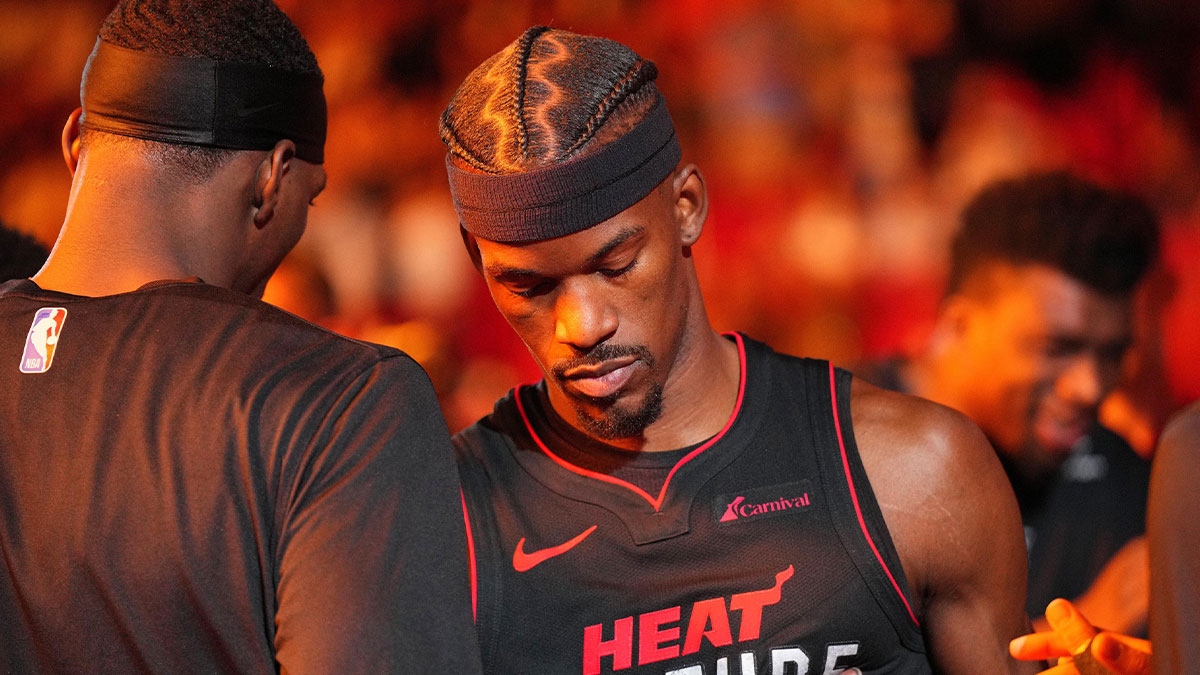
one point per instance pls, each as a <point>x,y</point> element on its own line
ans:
<point>501,272</point>
<point>621,237</point>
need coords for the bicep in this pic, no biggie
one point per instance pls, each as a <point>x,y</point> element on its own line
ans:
<point>955,523</point>
<point>970,558</point>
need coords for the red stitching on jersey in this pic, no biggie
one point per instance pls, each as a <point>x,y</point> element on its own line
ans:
<point>862,523</point>
<point>662,494</point>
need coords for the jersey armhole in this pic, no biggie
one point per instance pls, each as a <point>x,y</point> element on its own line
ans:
<point>859,520</point>
<point>471,563</point>
<point>483,551</point>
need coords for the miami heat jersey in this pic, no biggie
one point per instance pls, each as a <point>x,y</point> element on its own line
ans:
<point>763,553</point>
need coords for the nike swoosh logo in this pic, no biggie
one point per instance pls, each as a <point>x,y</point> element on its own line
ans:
<point>247,112</point>
<point>523,562</point>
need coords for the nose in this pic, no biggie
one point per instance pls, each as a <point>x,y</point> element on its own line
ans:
<point>583,317</point>
<point>1084,383</point>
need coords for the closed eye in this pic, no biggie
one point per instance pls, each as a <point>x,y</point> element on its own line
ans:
<point>533,291</point>
<point>612,274</point>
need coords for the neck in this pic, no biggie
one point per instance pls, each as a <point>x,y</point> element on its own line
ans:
<point>129,224</point>
<point>700,395</point>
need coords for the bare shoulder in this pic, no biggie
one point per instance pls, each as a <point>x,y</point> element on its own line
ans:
<point>955,524</point>
<point>938,481</point>
<point>908,435</point>
<point>1182,432</point>
<point>1176,464</point>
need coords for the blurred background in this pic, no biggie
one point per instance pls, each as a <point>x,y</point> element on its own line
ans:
<point>839,139</point>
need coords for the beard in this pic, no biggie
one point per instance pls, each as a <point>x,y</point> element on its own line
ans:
<point>613,421</point>
<point>617,422</point>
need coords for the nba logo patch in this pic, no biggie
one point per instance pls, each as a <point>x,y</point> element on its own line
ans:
<point>42,339</point>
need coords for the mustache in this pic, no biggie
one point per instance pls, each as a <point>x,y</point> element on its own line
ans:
<point>601,353</point>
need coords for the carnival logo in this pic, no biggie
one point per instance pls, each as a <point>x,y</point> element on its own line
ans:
<point>772,501</point>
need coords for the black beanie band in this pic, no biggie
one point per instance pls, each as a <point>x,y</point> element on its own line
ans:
<point>201,101</point>
<point>562,199</point>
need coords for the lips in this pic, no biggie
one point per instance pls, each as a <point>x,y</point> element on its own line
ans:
<point>601,381</point>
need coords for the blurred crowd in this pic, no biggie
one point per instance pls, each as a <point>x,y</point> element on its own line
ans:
<point>839,139</point>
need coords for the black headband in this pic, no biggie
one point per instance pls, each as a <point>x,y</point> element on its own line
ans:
<point>200,101</point>
<point>558,200</point>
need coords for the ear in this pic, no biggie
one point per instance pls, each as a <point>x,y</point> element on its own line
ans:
<point>691,203</point>
<point>472,248</point>
<point>268,180</point>
<point>70,140</point>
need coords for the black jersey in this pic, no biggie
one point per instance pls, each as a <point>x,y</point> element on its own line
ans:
<point>763,552</point>
<point>192,481</point>
<point>1095,505</point>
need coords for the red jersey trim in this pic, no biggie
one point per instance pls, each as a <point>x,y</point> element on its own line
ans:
<point>471,559</point>
<point>837,423</point>
<point>655,502</point>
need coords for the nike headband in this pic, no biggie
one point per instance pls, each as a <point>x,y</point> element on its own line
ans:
<point>201,101</point>
<point>565,198</point>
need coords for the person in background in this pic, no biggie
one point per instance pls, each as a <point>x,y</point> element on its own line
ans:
<point>193,481</point>
<point>1173,528</point>
<point>21,256</point>
<point>1028,341</point>
<point>670,499</point>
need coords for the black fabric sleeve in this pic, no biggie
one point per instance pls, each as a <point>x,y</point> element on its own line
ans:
<point>372,568</point>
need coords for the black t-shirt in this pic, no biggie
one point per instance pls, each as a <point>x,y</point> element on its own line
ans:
<point>194,481</point>
<point>763,550</point>
<point>1095,505</point>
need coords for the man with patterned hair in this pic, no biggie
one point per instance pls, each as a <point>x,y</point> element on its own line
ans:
<point>192,481</point>
<point>669,499</point>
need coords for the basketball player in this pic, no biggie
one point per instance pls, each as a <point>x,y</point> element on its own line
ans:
<point>669,499</point>
<point>192,481</point>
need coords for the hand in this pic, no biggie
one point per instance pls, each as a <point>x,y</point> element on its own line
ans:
<point>1080,648</point>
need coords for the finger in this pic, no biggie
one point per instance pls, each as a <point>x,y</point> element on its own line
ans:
<point>1130,642</point>
<point>1038,647</point>
<point>1087,664</point>
<point>1122,655</point>
<point>1073,629</point>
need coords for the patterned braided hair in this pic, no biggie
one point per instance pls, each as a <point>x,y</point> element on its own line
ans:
<point>547,97</point>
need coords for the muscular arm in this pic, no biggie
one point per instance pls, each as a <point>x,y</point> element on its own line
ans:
<point>1173,530</point>
<point>954,520</point>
